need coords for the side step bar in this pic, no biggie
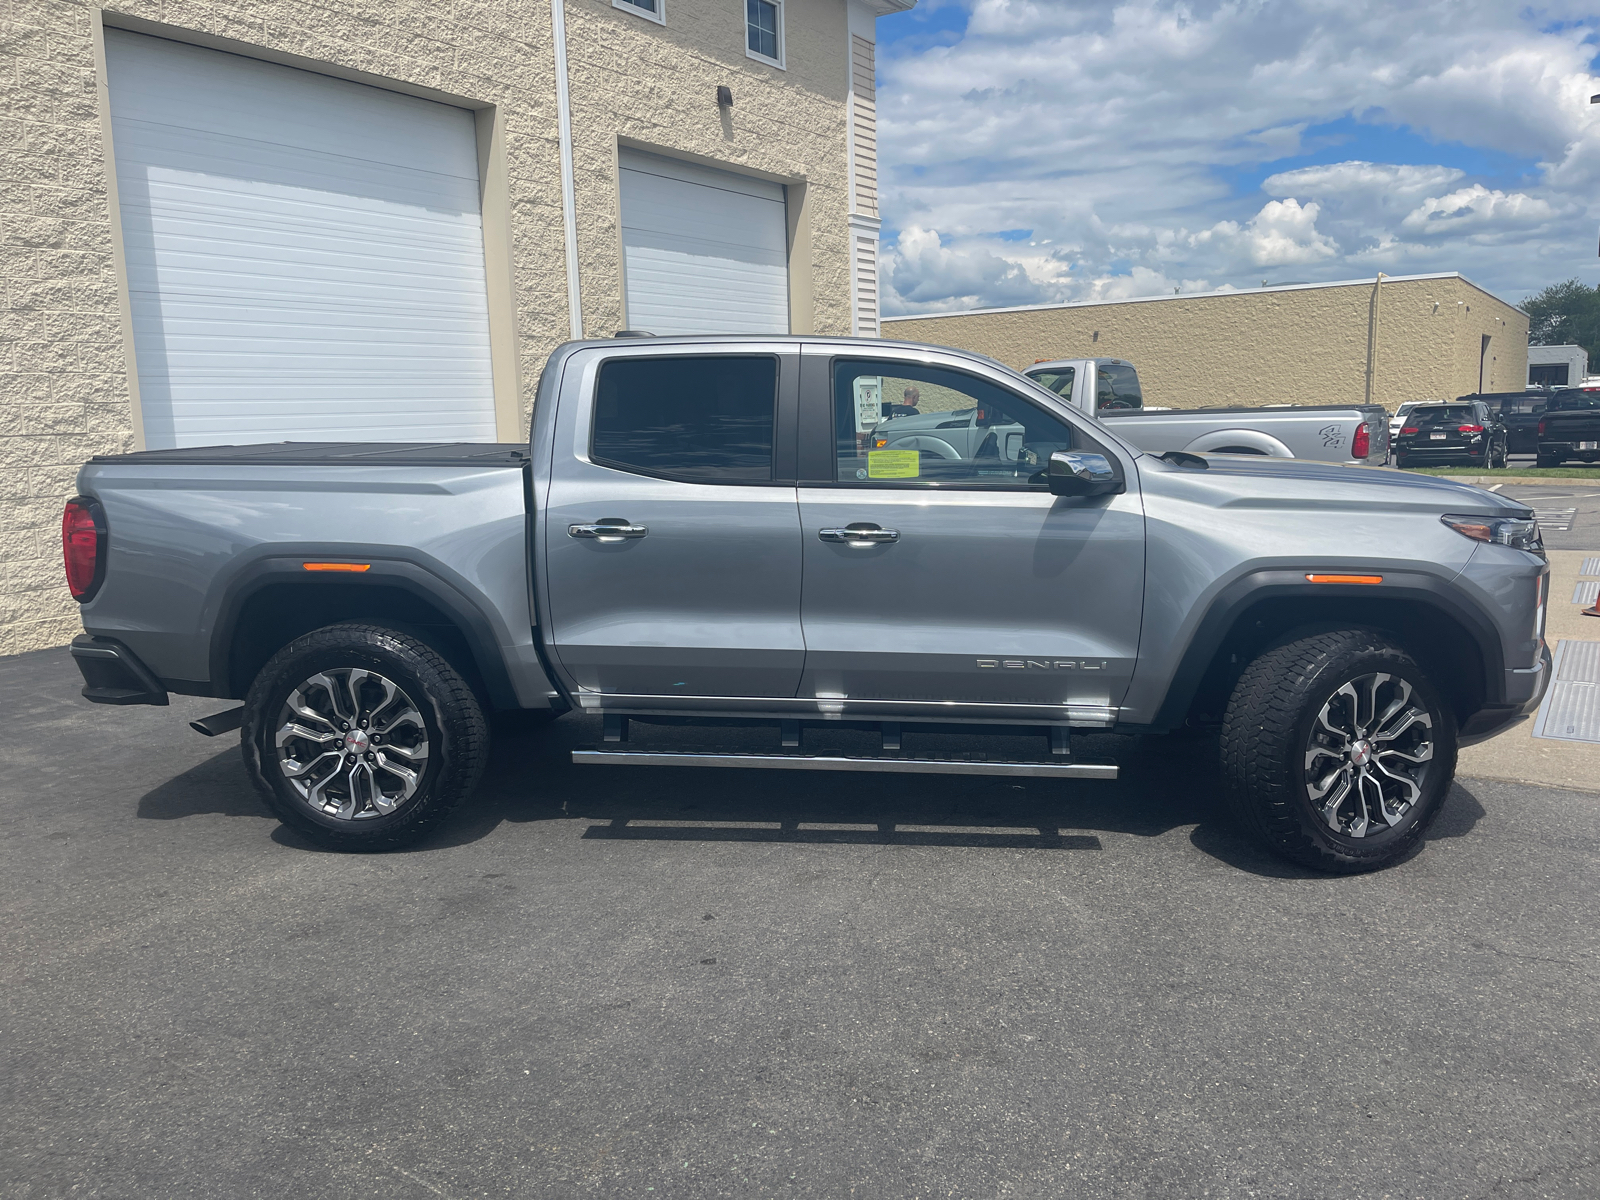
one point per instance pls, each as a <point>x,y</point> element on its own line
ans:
<point>826,762</point>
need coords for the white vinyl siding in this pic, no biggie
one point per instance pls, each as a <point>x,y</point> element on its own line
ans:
<point>704,251</point>
<point>864,124</point>
<point>304,254</point>
<point>864,271</point>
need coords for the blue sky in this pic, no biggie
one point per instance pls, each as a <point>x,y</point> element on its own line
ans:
<point>1050,150</point>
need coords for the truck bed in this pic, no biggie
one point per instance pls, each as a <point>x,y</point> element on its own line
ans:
<point>1119,414</point>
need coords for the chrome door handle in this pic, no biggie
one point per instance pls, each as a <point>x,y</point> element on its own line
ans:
<point>608,529</point>
<point>860,533</point>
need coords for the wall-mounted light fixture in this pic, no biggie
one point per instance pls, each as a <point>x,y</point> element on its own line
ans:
<point>724,96</point>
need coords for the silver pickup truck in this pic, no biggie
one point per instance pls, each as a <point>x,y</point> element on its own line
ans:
<point>1108,388</point>
<point>703,530</point>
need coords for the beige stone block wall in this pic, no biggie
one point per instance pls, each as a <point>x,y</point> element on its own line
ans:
<point>1291,346</point>
<point>64,391</point>
<point>63,388</point>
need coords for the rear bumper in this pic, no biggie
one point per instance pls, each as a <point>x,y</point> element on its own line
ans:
<point>1439,453</point>
<point>113,674</point>
<point>1568,450</point>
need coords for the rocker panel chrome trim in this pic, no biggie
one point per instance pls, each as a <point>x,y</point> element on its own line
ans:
<point>1088,716</point>
<point>821,762</point>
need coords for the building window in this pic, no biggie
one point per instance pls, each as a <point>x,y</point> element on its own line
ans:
<point>763,26</point>
<point>650,10</point>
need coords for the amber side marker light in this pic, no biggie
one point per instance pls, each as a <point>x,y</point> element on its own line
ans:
<point>337,566</point>
<point>1345,578</point>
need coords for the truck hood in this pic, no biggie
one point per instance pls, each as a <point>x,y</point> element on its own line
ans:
<point>1257,481</point>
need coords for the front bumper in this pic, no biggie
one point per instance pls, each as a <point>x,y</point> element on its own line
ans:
<point>113,674</point>
<point>1525,689</point>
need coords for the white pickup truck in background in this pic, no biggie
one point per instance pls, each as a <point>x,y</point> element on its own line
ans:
<point>1109,389</point>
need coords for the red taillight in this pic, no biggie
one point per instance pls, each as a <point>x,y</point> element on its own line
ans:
<point>1361,444</point>
<point>81,533</point>
<point>1469,428</point>
<point>1541,427</point>
<point>1411,429</point>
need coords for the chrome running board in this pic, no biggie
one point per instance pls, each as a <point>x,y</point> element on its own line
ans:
<point>829,762</point>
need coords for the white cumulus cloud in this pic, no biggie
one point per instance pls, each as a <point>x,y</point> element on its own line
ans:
<point>1478,208</point>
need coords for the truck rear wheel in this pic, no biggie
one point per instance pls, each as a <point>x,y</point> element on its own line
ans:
<point>1337,751</point>
<point>362,737</point>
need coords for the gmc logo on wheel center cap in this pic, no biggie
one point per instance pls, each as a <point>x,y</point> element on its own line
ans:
<point>1044,664</point>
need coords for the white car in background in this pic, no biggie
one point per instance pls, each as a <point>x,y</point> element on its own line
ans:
<point>1399,418</point>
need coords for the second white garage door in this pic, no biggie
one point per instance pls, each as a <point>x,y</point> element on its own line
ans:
<point>304,254</point>
<point>704,251</point>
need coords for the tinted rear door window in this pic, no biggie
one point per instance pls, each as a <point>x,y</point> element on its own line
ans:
<point>698,418</point>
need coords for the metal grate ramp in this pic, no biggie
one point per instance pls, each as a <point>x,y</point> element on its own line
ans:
<point>1586,593</point>
<point>1555,518</point>
<point>1571,708</point>
<point>1591,566</point>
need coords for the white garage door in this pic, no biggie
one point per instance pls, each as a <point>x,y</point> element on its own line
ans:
<point>305,254</point>
<point>705,251</point>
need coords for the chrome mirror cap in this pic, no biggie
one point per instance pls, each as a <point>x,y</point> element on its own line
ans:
<point>1077,473</point>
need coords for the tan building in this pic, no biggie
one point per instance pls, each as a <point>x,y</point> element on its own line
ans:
<point>1411,337</point>
<point>337,220</point>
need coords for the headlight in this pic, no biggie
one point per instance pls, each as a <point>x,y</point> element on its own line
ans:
<point>1520,533</point>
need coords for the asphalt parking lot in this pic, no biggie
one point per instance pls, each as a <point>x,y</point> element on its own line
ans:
<point>622,982</point>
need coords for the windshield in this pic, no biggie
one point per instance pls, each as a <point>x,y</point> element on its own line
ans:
<point>1443,414</point>
<point>1059,382</point>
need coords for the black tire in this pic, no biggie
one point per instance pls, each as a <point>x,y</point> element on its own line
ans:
<point>1546,460</point>
<point>1267,753</point>
<point>390,793</point>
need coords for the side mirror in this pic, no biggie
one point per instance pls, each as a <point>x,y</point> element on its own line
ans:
<point>1072,473</point>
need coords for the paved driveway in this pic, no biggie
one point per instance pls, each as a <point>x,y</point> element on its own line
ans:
<point>619,982</point>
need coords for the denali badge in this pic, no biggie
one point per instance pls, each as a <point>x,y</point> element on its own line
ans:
<point>1045,664</point>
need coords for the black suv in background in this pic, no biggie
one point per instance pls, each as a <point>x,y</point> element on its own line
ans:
<point>1519,412</point>
<point>1570,427</point>
<point>1464,432</point>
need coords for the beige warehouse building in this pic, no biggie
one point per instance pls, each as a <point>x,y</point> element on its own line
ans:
<point>230,222</point>
<point>1411,337</point>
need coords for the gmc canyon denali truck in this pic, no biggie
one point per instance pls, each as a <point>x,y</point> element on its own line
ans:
<point>701,530</point>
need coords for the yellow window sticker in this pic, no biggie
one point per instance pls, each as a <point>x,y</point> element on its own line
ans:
<point>893,464</point>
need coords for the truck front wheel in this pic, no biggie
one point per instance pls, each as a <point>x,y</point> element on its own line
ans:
<point>1337,751</point>
<point>362,737</point>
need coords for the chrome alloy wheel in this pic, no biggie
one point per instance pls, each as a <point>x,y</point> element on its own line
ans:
<point>1369,754</point>
<point>352,743</point>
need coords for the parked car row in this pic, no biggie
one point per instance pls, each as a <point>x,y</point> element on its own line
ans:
<point>1556,424</point>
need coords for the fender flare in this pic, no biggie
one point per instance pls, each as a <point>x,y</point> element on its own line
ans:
<point>285,565</point>
<point>1273,583</point>
<point>1253,439</point>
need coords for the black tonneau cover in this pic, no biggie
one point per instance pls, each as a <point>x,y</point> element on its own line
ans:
<point>336,454</point>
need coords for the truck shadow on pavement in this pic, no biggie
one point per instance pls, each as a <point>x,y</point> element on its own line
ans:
<point>1166,783</point>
